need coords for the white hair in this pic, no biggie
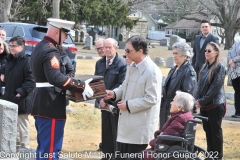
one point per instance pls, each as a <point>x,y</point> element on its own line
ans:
<point>183,48</point>
<point>185,100</point>
<point>99,40</point>
<point>114,42</point>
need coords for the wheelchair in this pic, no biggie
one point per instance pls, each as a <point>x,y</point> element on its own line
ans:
<point>187,150</point>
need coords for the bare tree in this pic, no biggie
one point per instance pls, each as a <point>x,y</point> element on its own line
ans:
<point>226,14</point>
<point>56,8</point>
<point>5,10</point>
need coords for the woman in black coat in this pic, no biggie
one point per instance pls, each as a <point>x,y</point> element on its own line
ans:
<point>19,83</point>
<point>181,77</point>
<point>211,99</point>
<point>4,51</point>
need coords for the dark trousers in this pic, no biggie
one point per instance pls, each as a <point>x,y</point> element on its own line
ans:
<point>49,137</point>
<point>109,132</point>
<point>130,151</point>
<point>236,87</point>
<point>164,111</point>
<point>213,130</point>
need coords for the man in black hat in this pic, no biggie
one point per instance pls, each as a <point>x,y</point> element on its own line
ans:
<point>49,98</point>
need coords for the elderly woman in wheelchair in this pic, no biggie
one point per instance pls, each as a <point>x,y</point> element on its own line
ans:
<point>180,113</point>
<point>176,140</point>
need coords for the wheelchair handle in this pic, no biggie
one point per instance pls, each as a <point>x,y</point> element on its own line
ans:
<point>201,117</point>
<point>196,121</point>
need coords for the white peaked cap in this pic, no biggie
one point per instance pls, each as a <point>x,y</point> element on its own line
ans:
<point>61,24</point>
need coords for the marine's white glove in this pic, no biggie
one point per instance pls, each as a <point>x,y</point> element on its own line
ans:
<point>88,90</point>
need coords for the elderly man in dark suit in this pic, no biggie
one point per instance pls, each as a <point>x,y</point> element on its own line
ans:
<point>200,44</point>
<point>113,69</point>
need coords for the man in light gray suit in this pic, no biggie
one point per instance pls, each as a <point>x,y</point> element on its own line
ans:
<point>141,97</point>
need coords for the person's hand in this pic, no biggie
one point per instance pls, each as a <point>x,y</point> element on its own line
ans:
<point>18,95</point>
<point>102,103</point>
<point>122,105</point>
<point>197,104</point>
<point>2,77</point>
<point>88,92</point>
<point>231,63</point>
<point>110,95</point>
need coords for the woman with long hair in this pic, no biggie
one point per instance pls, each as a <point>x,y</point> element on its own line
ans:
<point>4,51</point>
<point>210,98</point>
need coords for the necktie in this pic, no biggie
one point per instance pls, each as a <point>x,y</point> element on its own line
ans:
<point>107,63</point>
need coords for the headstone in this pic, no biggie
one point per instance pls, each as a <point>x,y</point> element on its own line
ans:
<point>81,36</point>
<point>170,62</point>
<point>159,61</point>
<point>80,57</point>
<point>229,82</point>
<point>174,39</point>
<point>120,37</point>
<point>8,126</point>
<point>76,36</point>
<point>229,95</point>
<point>93,34</point>
<point>88,42</point>
<point>122,44</point>
<point>164,42</point>
<point>89,57</point>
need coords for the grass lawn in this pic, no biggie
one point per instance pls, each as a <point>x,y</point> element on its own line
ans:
<point>83,127</point>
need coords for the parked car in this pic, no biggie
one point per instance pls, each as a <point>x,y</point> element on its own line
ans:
<point>33,34</point>
<point>101,31</point>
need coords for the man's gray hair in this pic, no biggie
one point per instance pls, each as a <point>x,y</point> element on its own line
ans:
<point>183,48</point>
<point>101,39</point>
<point>114,42</point>
<point>185,100</point>
<point>3,29</point>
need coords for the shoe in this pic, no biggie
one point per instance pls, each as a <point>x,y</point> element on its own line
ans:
<point>100,147</point>
<point>235,116</point>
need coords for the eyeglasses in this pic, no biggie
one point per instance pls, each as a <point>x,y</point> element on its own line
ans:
<point>128,50</point>
<point>208,50</point>
<point>13,46</point>
<point>100,48</point>
<point>124,56</point>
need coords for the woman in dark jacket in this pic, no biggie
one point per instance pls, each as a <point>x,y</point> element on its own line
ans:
<point>211,99</point>
<point>180,111</point>
<point>4,51</point>
<point>19,83</point>
<point>181,77</point>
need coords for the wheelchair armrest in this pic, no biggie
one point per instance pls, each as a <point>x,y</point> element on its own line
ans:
<point>201,117</point>
<point>171,138</point>
<point>196,121</point>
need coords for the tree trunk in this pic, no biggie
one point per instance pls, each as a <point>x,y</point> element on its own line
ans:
<point>5,10</point>
<point>229,38</point>
<point>56,8</point>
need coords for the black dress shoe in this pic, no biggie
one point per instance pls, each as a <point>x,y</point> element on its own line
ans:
<point>235,116</point>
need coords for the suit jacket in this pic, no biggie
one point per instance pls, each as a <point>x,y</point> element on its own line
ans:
<point>113,76</point>
<point>142,91</point>
<point>199,54</point>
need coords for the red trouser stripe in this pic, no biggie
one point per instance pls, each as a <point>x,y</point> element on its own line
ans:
<point>52,138</point>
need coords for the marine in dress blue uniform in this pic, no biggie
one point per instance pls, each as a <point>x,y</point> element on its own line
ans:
<point>49,98</point>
